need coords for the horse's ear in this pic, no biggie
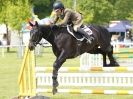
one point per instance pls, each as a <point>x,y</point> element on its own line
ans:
<point>31,24</point>
<point>36,23</point>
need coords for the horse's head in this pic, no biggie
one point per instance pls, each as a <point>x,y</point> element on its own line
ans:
<point>35,35</point>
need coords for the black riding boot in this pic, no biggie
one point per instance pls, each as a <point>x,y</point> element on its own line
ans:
<point>88,37</point>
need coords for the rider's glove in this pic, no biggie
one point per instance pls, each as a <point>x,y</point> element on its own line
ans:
<point>54,26</point>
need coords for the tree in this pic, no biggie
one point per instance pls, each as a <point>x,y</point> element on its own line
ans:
<point>102,11</point>
<point>68,3</point>
<point>22,14</point>
<point>4,18</point>
<point>43,8</point>
<point>123,9</point>
<point>94,11</point>
<point>13,13</point>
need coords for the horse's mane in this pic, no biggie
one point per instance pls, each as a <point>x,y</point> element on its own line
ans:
<point>62,29</point>
<point>45,27</point>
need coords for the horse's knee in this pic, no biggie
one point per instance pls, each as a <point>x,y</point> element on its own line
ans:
<point>55,66</point>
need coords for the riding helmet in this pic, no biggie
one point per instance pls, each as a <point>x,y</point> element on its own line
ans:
<point>58,5</point>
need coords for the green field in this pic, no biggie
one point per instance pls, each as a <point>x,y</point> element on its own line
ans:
<point>9,70</point>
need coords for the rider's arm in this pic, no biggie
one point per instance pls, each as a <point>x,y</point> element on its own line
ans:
<point>66,18</point>
<point>56,18</point>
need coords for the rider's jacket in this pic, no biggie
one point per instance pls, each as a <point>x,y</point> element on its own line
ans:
<point>68,16</point>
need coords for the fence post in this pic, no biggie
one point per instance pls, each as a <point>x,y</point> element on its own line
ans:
<point>26,80</point>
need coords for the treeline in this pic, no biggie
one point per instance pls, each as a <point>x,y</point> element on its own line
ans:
<point>15,12</point>
<point>102,11</point>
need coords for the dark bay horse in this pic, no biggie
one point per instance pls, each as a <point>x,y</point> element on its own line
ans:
<point>65,46</point>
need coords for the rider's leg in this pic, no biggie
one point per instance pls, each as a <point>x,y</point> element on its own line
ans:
<point>89,38</point>
<point>78,29</point>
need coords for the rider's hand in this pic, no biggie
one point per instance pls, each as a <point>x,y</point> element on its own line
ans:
<point>54,26</point>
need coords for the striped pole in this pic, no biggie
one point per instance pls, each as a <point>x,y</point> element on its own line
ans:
<point>123,52</point>
<point>84,91</point>
<point>123,56</point>
<point>77,69</point>
<point>26,80</point>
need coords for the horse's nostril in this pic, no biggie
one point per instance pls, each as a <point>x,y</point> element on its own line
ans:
<point>31,48</point>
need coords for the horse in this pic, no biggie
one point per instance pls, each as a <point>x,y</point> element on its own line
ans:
<point>65,46</point>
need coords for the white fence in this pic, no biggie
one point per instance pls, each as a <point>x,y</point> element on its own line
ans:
<point>20,49</point>
<point>117,45</point>
<point>120,77</point>
<point>87,79</point>
<point>87,60</point>
<point>84,79</point>
<point>90,60</point>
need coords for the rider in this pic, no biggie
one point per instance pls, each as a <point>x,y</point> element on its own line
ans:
<point>69,16</point>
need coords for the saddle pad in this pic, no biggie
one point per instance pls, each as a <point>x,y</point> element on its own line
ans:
<point>75,34</point>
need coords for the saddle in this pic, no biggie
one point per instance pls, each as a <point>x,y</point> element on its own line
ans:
<point>77,35</point>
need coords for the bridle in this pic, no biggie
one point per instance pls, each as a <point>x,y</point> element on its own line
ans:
<point>40,34</point>
<point>35,42</point>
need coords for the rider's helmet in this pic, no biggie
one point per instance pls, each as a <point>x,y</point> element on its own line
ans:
<point>58,5</point>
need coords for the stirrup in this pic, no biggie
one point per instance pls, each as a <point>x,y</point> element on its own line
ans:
<point>91,38</point>
<point>88,41</point>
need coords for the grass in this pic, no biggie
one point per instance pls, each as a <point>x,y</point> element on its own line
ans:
<point>9,70</point>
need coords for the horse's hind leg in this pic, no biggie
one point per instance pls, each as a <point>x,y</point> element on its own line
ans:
<point>104,59</point>
<point>100,51</point>
<point>113,62</point>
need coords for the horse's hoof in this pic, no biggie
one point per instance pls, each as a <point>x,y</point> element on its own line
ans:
<point>116,64</point>
<point>54,90</point>
<point>112,65</point>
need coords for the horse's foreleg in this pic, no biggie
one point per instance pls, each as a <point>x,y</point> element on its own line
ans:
<point>57,64</point>
<point>54,77</point>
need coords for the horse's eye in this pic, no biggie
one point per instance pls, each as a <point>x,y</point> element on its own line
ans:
<point>33,31</point>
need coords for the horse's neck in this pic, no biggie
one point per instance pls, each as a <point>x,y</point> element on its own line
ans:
<point>48,34</point>
<point>50,39</point>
